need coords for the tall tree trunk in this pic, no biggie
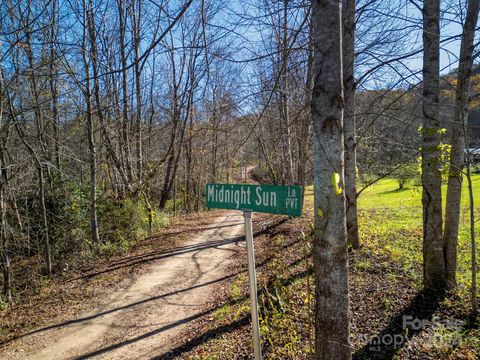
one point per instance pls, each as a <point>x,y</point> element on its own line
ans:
<point>88,16</point>
<point>4,255</point>
<point>178,153</point>
<point>176,143</point>
<point>214,149</point>
<point>304,138</point>
<point>4,260</point>
<point>349,122</point>
<point>152,106</point>
<point>173,137</point>
<point>457,158</point>
<point>92,34</point>
<point>125,124</point>
<point>473,289</point>
<point>39,122</point>
<point>107,140</point>
<point>53,85</point>
<point>136,16</point>
<point>38,112</point>
<point>189,175</point>
<point>290,177</point>
<point>330,236</point>
<point>433,259</point>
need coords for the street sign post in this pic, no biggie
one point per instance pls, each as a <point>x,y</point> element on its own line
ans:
<point>286,200</point>
<point>247,216</point>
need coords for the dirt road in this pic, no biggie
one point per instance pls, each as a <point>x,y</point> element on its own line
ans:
<point>144,320</point>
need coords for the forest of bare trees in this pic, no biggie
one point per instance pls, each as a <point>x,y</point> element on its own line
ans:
<point>126,108</point>
<point>114,114</point>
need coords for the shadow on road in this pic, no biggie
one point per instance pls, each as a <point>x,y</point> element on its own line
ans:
<point>196,341</point>
<point>209,334</point>
<point>144,336</point>
<point>157,255</point>
<point>150,258</point>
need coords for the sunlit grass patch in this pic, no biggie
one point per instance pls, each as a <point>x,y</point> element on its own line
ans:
<point>363,265</point>
<point>390,221</point>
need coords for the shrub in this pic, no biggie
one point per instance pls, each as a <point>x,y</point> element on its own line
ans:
<point>68,218</point>
<point>123,222</point>
<point>406,174</point>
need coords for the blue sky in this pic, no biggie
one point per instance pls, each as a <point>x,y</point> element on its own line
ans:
<point>397,12</point>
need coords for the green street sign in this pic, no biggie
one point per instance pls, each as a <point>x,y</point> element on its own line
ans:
<point>286,200</point>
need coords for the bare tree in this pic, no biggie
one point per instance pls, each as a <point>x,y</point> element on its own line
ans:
<point>457,153</point>
<point>305,131</point>
<point>4,253</point>
<point>349,122</point>
<point>126,123</point>
<point>136,28</point>
<point>54,83</point>
<point>89,27</point>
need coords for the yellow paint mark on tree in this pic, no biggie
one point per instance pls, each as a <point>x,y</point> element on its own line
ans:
<point>335,179</point>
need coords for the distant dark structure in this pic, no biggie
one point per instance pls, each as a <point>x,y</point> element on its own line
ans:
<point>473,131</point>
<point>473,123</point>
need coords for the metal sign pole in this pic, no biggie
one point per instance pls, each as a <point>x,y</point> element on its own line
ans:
<point>247,215</point>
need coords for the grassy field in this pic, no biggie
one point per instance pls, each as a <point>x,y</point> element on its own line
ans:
<point>390,220</point>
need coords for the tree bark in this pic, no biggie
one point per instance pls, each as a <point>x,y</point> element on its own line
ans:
<point>125,124</point>
<point>349,122</point>
<point>285,110</point>
<point>433,259</point>
<point>136,16</point>
<point>304,139</point>
<point>330,236</point>
<point>88,12</point>
<point>53,85</point>
<point>4,257</point>
<point>473,289</point>
<point>457,153</point>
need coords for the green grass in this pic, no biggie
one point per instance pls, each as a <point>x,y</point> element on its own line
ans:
<point>390,221</point>
<point>385,194</point>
